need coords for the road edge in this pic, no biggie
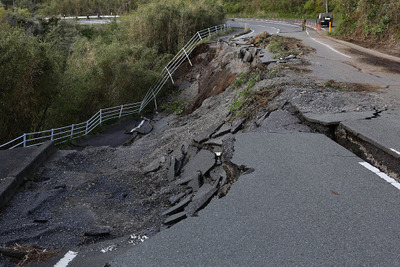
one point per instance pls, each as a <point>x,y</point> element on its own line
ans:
<point>16,178</point>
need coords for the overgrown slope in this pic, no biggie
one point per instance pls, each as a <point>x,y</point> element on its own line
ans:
<point>376,22</point>
<point>54,73</point>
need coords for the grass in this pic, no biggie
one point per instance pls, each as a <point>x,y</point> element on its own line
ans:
<point>175,106</point>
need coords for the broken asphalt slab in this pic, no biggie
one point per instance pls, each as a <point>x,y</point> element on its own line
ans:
<point>20,164</point>
<point>327,119</point>
<point>384,133</point>
<point>374,134</point>
<point>286,212</point>
<point>203,162</point>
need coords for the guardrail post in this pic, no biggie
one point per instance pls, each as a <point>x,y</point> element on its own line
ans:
<point>187,56</point>
<point>155,100</point>
<point>120,111</point>
<point>170,75</point>
<point>193,43</point>
<point>72,130</point>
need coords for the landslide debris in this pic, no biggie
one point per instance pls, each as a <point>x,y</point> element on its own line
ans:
<point>79,198</point>
<point>280,45</point>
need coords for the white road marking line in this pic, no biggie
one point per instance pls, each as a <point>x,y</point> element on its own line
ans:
<point>386,177</point>
<point>137,127</point>
<point>370,167</point>
<point>330,47</point>
<point>394,150</point>
<point>383,175</point>
<point>68,257</point>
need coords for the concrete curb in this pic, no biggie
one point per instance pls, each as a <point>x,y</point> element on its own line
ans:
<point>10,185</point>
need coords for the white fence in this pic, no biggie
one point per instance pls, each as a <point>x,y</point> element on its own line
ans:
<point>73,131</point>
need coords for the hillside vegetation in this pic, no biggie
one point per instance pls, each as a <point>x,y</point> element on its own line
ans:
<point>373,21</point>
<point>54,73</point>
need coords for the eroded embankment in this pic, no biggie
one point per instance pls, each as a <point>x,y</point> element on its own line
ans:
<point>174,169</point>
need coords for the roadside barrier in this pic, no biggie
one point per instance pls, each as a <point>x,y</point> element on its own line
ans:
<point>66,133</point>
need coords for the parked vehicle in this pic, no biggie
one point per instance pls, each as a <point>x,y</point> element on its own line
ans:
<point>324,18</point>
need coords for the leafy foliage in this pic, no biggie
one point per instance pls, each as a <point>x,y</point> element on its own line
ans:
<point>368,19</point>
<point>167,26</point>
<point>28,81</point>
<point>265,8</point>
<point>54,73</point>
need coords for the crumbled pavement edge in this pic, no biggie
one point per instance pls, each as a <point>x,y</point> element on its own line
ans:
<point>16,178</point>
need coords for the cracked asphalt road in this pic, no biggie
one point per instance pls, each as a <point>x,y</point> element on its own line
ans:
<point>304,204</point>
<point>338,60</point>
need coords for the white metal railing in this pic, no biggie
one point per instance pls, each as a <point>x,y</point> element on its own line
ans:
<point>73,131</point>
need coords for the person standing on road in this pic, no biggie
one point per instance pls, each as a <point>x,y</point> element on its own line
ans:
<point>303,23</point>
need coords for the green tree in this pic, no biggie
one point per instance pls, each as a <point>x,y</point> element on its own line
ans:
<point>29,74</point>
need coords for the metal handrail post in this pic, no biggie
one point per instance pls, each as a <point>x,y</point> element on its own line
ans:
<point>187,56</point>
<point>120,112</point>
<point>155,100</point>
<point>72,131</point>
<point>151,94</point>
<point>170,75</point>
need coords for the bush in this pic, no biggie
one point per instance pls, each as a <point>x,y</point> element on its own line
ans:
<point>167,26</point>
<point>29,75</point>
<point>100,75</point>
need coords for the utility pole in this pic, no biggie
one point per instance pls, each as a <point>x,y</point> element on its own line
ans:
<point>327,6</point>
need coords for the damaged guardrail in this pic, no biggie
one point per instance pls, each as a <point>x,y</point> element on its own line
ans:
<point>63,134</point>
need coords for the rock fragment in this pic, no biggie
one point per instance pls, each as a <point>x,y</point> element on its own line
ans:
<point>188,178</point>
<point>205,193</point>
<point>178,207</point>
<point>237,125</point>
<point>204,136</point>
<point>152,167</point>
<point>203,162</point>
<point>196,182</point>
<point>175,218</point>
<point>176,198</point>
<point>98,231</point>
<point>218,174</point>
<point>226,128</point>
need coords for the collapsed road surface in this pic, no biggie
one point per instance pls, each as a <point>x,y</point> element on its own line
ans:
<point>308,203</point>
<point>287,195</point>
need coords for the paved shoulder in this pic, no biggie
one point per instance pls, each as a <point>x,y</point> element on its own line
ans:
<point>309,202</point>
<point>382,132</point>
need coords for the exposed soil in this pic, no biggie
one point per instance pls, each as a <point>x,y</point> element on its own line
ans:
<point>388,47</point>
<point>287,45</point>
<point>353,87</point>
<point>386,64</point>
<point>102,193</point>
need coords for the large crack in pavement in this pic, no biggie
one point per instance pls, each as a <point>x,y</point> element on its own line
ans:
<point>103,199</point>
